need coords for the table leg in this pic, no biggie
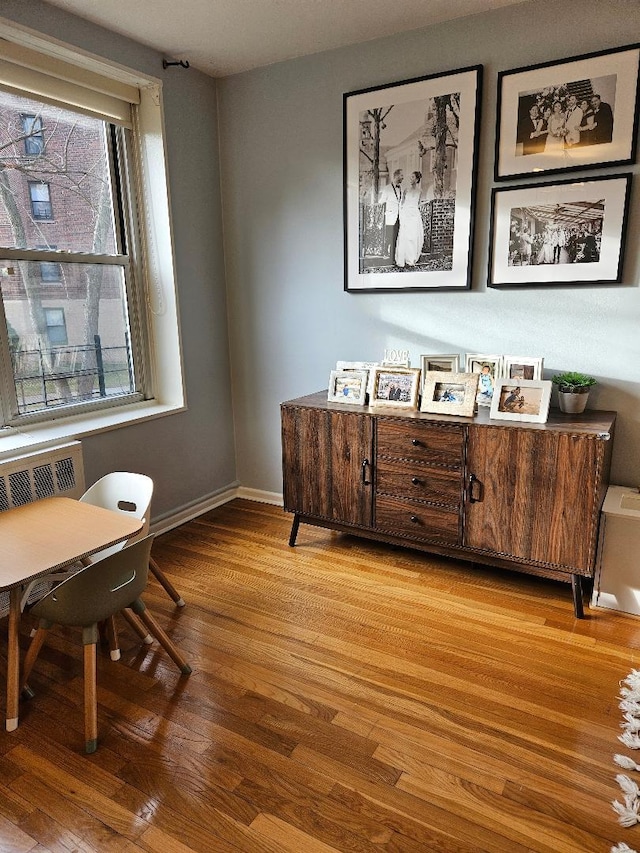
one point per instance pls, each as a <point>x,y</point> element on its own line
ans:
<point>13,660</point>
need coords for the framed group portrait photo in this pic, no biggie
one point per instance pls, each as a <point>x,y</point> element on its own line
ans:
<point>410,153</point>
<point>576,113</point>
<point>565,233</point>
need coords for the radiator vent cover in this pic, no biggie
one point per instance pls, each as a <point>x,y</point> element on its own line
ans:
<point>43,474</point>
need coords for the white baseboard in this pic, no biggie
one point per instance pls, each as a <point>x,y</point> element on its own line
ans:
<point>188,513</point>
<point>260,497</point>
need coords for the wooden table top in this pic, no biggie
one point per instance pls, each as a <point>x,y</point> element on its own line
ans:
<point>48,534</point>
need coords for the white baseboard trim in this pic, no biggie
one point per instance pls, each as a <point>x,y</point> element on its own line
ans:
<point>260,497</point>
<point>188,513</point>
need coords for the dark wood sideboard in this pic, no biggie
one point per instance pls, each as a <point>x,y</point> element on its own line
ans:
<point>520,496</point>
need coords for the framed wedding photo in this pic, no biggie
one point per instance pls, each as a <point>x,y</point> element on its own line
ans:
<point>348,386</point>
<point>570,232</point>
<point>439,362</point>
<point>525,400</point>
<point>410,153</point>
<point>521,367</point>
<point>449,393</point>
<point>571,114</point>
<point>489,370</point>
<point>396,387</point>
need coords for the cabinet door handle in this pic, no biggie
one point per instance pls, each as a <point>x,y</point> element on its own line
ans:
<point>415,481</point>
<point>475,494</point>
<point>365,465</point>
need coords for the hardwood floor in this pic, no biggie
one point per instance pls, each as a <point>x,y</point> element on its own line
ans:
<point>345,696</point>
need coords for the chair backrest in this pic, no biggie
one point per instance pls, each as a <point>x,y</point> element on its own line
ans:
<point>122,491</point>
<point>100,589</point>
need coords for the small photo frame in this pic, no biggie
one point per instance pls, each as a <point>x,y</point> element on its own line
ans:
<point>526,401</point>
<point>575,113</point>
<point>396,387</point>
<point>348,386</point>
<point>521,367</point>
<point>449,393</point>
<point>360,365</point>
<point>567,233</point>
<point>489,370</point>
<point>450,362</point>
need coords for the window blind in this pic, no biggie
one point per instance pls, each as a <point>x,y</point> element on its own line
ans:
<point>54,81</point>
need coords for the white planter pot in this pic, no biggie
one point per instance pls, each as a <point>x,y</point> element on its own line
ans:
<point>573,404</point>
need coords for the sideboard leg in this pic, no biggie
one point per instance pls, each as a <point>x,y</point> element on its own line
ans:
<point>294,530</point>
<point>576,589</point>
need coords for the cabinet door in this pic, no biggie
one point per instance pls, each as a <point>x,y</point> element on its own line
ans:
<point>327,464</point>
<point>535,495</point>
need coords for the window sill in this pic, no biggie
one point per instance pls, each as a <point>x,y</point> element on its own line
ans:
<point>15,441</point>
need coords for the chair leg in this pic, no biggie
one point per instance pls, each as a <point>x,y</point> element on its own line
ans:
<point>137,626</point>
<point>163,580</point>
<point>31,656</point>
<point>112,638</point>
<point>90,698</point>
<point>141,611</point>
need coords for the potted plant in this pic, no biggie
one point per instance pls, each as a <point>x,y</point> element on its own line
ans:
<point>573,390</point>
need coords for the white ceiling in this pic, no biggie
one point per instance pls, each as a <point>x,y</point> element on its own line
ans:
<point>222,37</point>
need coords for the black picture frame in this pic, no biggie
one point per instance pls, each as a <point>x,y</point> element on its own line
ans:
<point>569,232</point>
<point>546,123</point>
<point>428,126</point>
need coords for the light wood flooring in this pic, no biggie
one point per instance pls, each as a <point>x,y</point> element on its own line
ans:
<point>346,696</point>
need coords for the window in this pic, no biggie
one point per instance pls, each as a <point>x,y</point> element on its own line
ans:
<point>50,271</point>
<point>33,135</point>
<point>83,208</point>
<point>40,200</point>
<point>56,326</point>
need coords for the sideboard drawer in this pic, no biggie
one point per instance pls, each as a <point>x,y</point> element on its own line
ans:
<point>419,482</point>
<point>417,520</point>
<point>423,442</point>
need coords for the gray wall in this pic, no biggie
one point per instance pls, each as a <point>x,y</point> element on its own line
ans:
<point>190,455</point>
<point>289,319</point>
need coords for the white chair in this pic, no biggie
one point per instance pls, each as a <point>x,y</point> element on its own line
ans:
<point>128,493</point>
<point>131,493</point>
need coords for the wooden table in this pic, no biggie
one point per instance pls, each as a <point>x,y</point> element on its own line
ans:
<point>38,538</point>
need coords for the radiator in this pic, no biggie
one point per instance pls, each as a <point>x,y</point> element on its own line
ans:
<point>42,474</point>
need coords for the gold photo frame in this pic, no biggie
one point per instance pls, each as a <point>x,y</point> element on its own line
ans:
<point>396,387</point>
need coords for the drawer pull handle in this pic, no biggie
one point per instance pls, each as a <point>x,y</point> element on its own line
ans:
<point>475,489</point>
<point>415,481</point>
<point>416,442</point>
<point>415,519</point>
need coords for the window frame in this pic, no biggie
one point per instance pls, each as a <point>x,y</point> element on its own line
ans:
<point>33,134</point>
<point>151,285</point>
<point>33,201</point>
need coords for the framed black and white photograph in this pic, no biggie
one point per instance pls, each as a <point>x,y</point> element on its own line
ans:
<point>449,393</point>
<point>489,370</point>
<point>449,362</point>
<point>521,367</point>
<point>526,400</point>
<point>410,152</point>
<point>348,386</point>
<point>570,232</point>
<point>396,387</point>
<point>571,114</point>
